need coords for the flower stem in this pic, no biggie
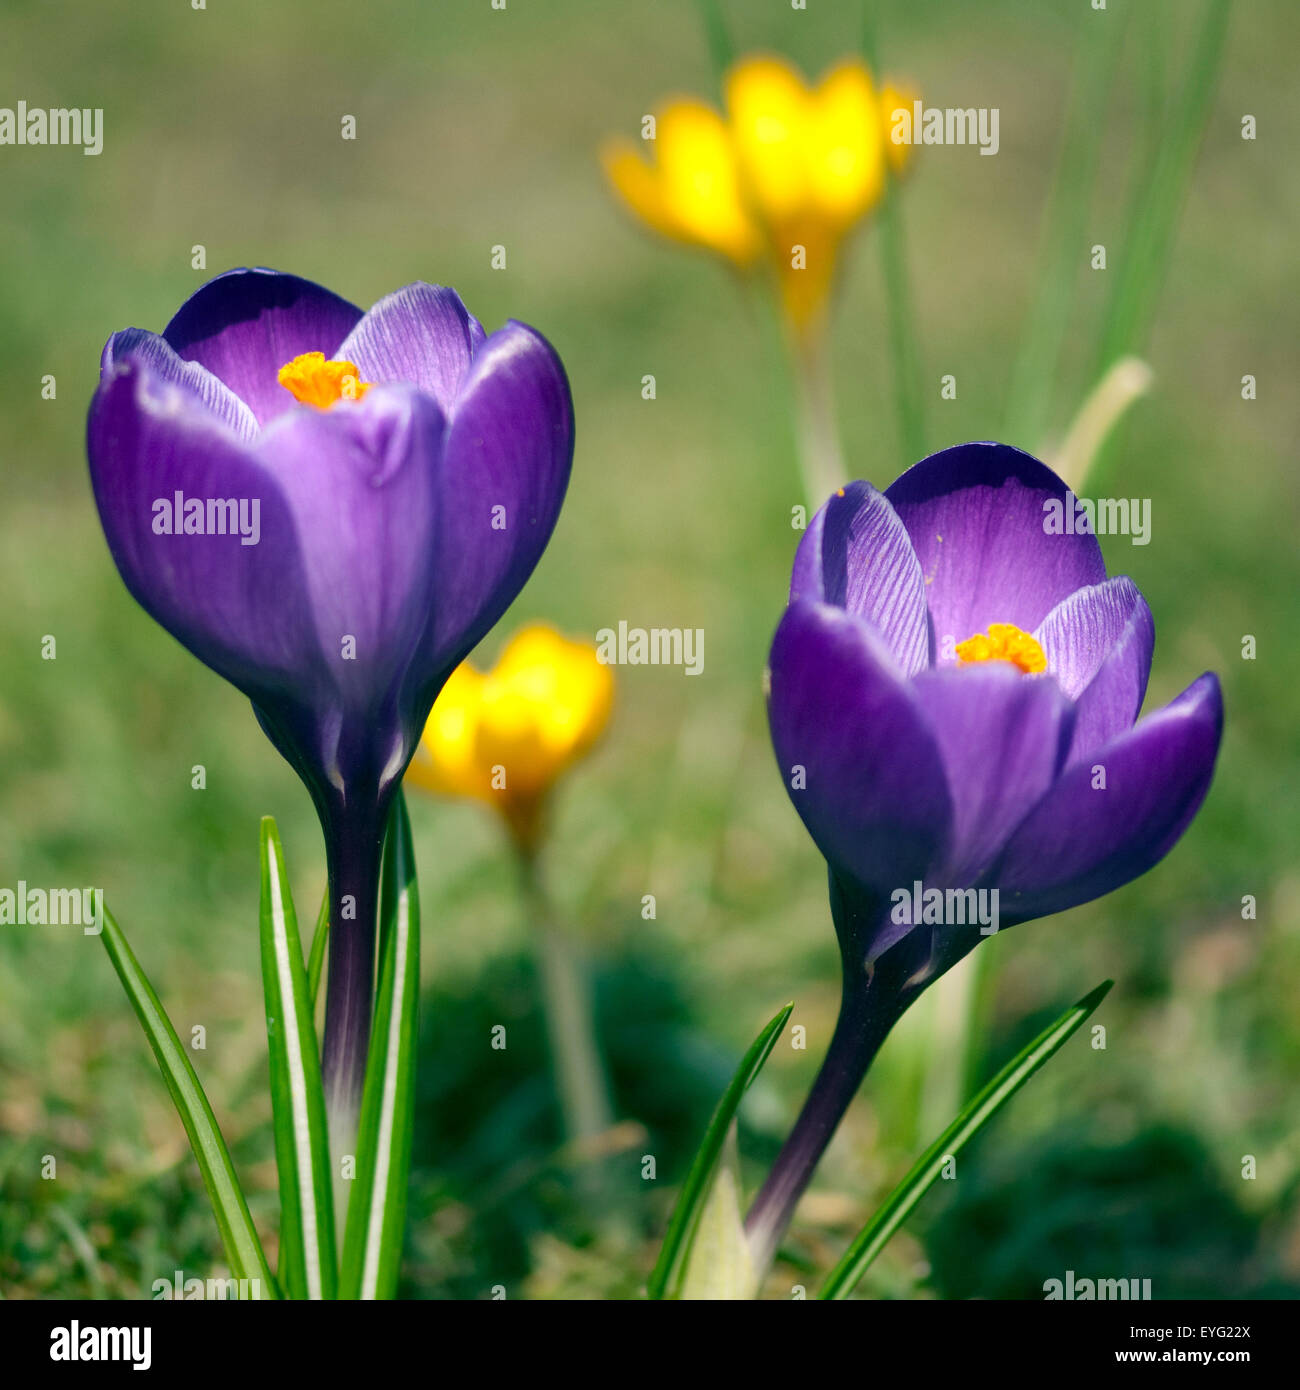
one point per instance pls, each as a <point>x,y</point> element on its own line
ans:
<point>354,850</point>
<point>820,459</point>
<point>566,990</point>
<point>866,1016</point>
<point>903,346</point>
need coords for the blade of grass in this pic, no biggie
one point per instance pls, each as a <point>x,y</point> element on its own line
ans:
<point>669,1273</point>
<point>1156,204</point>
<point>320,939</point>
<point>302,1157</point>
<point>902,324</point>
<point>904,345</point>
<point>721,51</point>
<point>372,1247</point>
<point>874,1236</point>
<point>1159,198</point>
<point>1064,241</point>
<point>244,1252</point>
<point>720,1264</point>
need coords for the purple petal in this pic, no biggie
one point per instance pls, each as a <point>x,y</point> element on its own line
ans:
<point>157,354</point>
<point>856,554</point>
<point>237,607</point>
<point>243,326</point>
<point>1098,644</point>
<point>421,334</point>
<point>873,794</point>
<point>361,480</point>
<point>505,470</point>
<point>1082,841</point>
<point>1002,736</point>
<point>976,516</point>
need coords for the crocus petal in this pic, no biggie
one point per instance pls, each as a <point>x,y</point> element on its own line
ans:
<point>421,334</point>
<point>768,101</point>
<point>856,755</point>
<point>1098,644</point>
<point>237,607</point>
<point>700,183</point>
<point>505,470</point>
<point>361,481</point>
<point>976,514</point>
<point>243,326</point>
<point>692,191</point>
<point>856,554</point>
<point>1083,840</point>
<point>160,357</point>
<point>846,153</point>
<point>1002,736</point>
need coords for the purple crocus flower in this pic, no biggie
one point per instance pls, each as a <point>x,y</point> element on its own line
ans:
<point>330,509</point>
<point>953,690</point>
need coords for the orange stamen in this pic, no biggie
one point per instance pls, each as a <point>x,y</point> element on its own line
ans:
<point>1005,642</point>
<point>313,380</point>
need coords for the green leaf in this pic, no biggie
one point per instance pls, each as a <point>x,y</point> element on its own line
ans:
<point>320,939</point>
<point>372,1246</point>
<point>900,311</point>
<point>873,1237</point>
<point>669,1274</point>
<point>243,1249</point>
<point>302,1155</point>
<point>1143,256</point>
<point>904,344</point>
<point>1045,332</point>
<point>721,50</point>
<point>720,1264</point>
<point>1157,200</point>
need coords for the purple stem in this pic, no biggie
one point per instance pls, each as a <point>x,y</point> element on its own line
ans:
<point>353,847</point>
<point>868,1010</point>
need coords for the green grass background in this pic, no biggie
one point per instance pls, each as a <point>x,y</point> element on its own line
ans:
<point>479,127</point>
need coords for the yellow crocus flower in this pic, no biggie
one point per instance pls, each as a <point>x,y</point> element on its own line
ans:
<point>780,180</point>
<point>504,736</point>
<point>691,193</point>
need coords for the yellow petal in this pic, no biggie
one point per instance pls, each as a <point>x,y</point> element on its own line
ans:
<point>846,155</point>
<point>691,192</point>
<point>446,760</point>
<point>702,181</point>
<point>768,104</point>
<point>504,736</point>
<point>639,185</point>
<point>544,704</point>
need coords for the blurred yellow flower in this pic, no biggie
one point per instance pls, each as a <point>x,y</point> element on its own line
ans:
<point>503,736</point>
<point>779,181</point>
<point>691,192</point>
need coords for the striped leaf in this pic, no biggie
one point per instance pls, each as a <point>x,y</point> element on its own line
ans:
<point>372,1246</point>
<point>244,1252</point>
<point>668,1278</point>
<point>307,1251</point>
<point>875,1235</point>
